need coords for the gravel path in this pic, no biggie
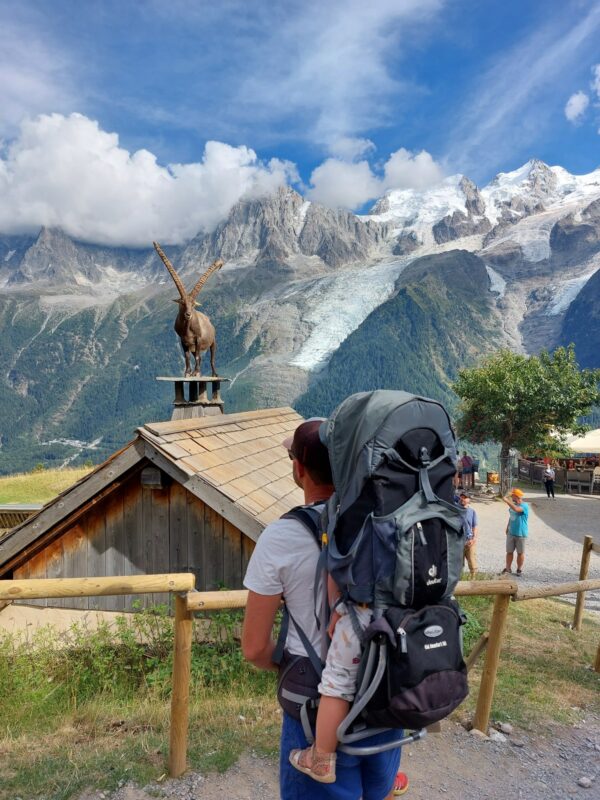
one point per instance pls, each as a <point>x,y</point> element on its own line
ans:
<point>561,764</point>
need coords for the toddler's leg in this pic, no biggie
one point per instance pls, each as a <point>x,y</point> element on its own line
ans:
<point>332,711</point>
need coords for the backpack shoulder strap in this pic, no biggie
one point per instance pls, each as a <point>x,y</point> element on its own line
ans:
<point>310,518</point>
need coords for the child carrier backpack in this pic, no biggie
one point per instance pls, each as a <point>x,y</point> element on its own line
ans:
<point>394,542</point>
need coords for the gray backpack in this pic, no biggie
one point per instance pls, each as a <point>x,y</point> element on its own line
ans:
<point>395,543</point>
<point>394,532</point>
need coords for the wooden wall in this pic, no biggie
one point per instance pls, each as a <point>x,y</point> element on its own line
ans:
<point>140,530</point>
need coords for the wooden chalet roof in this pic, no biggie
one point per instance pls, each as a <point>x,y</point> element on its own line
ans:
<point>233,462</point>
<point>238,456</point>
<point>13,514</point>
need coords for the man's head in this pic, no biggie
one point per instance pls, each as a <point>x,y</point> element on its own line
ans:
<point>308,452</point>
<point>517,496</point>
<point>464,500</point>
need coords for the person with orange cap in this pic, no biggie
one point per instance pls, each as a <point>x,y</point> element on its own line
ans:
<point>516,530</point>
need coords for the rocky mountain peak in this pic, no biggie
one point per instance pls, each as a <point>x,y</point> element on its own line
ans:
<point>270,230</point>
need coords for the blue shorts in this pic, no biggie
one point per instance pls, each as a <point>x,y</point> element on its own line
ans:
<point>369,777</point>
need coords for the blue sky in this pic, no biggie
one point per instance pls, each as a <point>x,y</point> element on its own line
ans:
<point>331,90</point>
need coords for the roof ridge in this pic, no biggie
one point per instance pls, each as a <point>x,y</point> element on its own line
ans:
<point>179,425</point>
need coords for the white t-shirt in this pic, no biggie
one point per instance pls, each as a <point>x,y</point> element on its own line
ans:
<point>284,562</point>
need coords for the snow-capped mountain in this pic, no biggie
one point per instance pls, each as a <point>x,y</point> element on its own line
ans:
<point>308,297</point>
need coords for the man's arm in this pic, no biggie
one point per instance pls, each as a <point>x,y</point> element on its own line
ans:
<point>514,507</point>
<point>257,631</point>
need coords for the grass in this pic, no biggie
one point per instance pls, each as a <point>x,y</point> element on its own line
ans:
<point>38,486</point>
<point>545,673</point>
<point>95,711</point>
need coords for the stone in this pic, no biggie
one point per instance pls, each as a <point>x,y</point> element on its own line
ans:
<point>505,727</point>
<point>499,738</point>
<point>584,782</point>
<point>478,734</point>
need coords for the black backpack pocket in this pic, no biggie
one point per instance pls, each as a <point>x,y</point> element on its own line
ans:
<point>297,685</point>
<point>426,676</point>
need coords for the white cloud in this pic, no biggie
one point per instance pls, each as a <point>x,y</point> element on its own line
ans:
<point>325,71</point>
<point>338,183</point>
<point>407,171</point>
<point>35,75</point>
<point>576,106</point>
<point>343,184</point>
<point>595,84</point>
<point>67,172</point>
<point>351,148</point>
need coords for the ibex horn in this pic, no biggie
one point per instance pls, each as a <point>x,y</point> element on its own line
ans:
<point>202,280</point>
<point>171,269</point>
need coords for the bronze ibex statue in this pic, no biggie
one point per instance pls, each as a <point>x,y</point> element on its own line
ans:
<point>195,330</point>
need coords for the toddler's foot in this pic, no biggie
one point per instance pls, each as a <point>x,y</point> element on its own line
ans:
<point>320,766</point>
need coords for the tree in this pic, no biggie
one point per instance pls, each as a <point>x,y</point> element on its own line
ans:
<point>521,402</point>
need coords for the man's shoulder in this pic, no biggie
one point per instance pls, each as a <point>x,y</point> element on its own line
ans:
<point>281,526</point>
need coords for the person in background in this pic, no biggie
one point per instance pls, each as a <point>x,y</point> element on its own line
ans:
<point>470,530</point>
<point>468,481</point>
<point>549,477</point>
<point>516,530</point>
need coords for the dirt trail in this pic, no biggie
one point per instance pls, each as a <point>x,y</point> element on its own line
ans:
<point>452,764</point>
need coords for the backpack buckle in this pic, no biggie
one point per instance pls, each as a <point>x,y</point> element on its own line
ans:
<point>424,457</point>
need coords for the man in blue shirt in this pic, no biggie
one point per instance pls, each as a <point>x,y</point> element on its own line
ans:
<point>516,530</point>
<point>470,530</point>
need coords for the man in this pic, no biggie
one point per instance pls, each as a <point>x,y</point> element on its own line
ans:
<point>516,530</point>
<point>284,565</point>
<point>468,477</point>
<point>470,530</point>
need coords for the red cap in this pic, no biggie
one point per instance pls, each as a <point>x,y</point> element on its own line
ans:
<point>306,446</point>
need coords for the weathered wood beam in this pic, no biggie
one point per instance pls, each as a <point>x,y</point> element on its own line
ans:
<point>586,554</point>
<point>557,589</point>
<point>481,588</point>
<point>215,601</point>
<point>477,650</point>
<point>91,587</point>
<point>490,667</point>
<point>180,698</point>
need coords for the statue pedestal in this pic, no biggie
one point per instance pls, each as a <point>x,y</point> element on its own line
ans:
<point>192,400</point>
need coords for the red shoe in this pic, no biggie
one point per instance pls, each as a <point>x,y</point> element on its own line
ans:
<point>400,784</point>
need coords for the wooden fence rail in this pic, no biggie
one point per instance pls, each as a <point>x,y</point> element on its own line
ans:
<point>188,601</point>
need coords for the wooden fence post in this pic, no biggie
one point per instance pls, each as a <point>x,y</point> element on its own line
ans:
<point>597,662</point>
<point>180,697</point>
<point>588,544</point>
<point>490,666</point>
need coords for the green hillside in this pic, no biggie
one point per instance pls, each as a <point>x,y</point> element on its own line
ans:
<point>440,319</point>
